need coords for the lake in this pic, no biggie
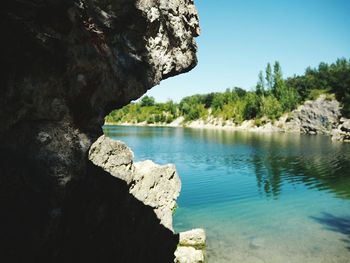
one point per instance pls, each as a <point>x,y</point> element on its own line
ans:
<point>273,198</point>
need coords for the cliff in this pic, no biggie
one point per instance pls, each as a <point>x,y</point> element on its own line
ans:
<point>65,65</point>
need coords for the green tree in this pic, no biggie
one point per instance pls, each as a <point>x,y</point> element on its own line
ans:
<point>147,101</point>
<point>260,86</point>
<point>271,107</point>
<point>269,76</point>
<point>278,85</point>
<point>239,91</point>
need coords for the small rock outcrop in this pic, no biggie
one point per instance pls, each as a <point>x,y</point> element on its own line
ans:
<point>191,247</point>
<point>155,185</point>
<point>315,117</point>
<point>114,157</point>
<point>342,132</point>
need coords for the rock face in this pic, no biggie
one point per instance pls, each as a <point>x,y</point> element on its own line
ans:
<point>342,132</point>
<point>315,117</point>
<point>65,64</point>
<point>114,157</point>
<point>155,185</point>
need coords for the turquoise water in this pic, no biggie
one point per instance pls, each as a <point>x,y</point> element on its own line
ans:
<point>260,197</point>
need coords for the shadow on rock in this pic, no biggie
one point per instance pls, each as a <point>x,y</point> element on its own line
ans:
<point>98,221</point>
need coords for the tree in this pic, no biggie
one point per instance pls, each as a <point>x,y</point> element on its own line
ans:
<point>271,108</point>
<point>147,101</point>
<point>260,86</point>
<point>269,77</point>
<point>279,85</point>
<point>251,105</point>
<point>239,91</point>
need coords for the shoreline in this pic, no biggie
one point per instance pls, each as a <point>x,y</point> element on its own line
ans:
<point>321,116</point>
<point>247,125</point>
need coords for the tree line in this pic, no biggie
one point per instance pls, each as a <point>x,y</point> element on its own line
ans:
<point>272,97</point>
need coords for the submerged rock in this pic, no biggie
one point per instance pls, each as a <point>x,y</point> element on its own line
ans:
<point>257,242</point>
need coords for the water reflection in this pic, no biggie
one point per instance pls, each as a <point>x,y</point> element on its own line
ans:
<point>277,160</point>
<point>239,185</point>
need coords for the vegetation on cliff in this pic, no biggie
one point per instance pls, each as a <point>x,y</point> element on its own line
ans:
<point>272,97</point>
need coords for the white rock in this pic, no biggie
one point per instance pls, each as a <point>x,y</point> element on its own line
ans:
<point>188,255</point>
<point>194,238</point>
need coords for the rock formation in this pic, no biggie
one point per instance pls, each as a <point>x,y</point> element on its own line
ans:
<point>342,132</point>
<point>155,185</point>
<point>65,64</point>
<point>315,117</point>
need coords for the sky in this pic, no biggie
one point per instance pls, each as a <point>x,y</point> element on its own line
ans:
<point>239,37</point>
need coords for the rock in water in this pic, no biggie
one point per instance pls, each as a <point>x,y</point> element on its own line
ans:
<point>194,238</point>
<point>191,247</point>
<point>188,255</point>
<point>65,65</point>
<point>342,132</point>
<point>155,185</point>
<point>257,242</point>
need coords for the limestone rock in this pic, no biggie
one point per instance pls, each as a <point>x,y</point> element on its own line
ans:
<point>65,65</point>
<point>342,132</point>
<point>188,255</point>
<point>157,186</point>
<point>191,246</point>
<point>194,238</point>
<point>315,117</point>
<point>114,157</point>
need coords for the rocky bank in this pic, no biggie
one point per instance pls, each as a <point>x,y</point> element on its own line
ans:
<point>320,116</point>
<point>65,65</point>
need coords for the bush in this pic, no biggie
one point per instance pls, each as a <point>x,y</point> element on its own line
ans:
<point>271,107</point>
<point>150,119</point>
<point>147,101</point>
<point>315,93</point>
<point>169,119</point>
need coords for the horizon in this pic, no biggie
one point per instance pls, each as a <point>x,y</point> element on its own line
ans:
<point>232,49</point>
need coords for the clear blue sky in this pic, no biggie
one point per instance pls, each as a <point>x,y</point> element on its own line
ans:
<point>239,37</point>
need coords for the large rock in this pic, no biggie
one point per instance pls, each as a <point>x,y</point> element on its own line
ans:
<point>342,132</point>
<point>157,186</point>
<point>315,117</point>
<point>65,65</point>
<point>115,157</point>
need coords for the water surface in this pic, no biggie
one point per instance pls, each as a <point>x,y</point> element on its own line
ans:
<point>273,198</point>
